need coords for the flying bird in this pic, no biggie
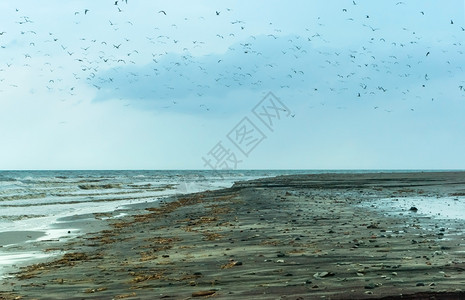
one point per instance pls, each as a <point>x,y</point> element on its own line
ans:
<point>163,12</point>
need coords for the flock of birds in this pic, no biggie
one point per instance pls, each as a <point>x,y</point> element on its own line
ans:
<point>310,63</point>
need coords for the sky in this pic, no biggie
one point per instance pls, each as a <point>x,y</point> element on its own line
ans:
<point>232,84</point>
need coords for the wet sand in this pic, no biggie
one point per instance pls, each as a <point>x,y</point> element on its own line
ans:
<point>290,237</point>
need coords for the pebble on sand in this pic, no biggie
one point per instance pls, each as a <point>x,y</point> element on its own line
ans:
<point>203,293</point>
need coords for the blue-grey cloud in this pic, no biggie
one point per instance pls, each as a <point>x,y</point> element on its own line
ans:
<point>377,69</point>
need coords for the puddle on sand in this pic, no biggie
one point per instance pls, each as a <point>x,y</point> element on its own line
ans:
<point>447,208</point>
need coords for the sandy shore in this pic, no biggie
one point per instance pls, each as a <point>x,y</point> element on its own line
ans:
<point>291,237</point>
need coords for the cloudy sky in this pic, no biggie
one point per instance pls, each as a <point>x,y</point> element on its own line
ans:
<point>186,84</point>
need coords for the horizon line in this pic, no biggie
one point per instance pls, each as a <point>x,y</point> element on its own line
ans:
<point>329,169</point>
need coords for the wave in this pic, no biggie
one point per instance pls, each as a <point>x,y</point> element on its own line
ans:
<point>22,197</point>
<point>80,201</point>
<point>6,179</point>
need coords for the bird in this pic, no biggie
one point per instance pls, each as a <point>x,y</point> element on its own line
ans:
<point>217,13</point>
<point>372,29</point>
<point>427,53</point>
<point>86,11</point>
<point>163,12</point>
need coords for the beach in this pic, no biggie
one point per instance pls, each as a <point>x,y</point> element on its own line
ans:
<point>54,206</point>
<point>287,237</point>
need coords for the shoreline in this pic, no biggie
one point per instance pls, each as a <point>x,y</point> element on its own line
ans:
<point>299,235</point>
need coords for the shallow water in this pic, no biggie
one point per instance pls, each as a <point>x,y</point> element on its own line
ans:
<point>445,208</point>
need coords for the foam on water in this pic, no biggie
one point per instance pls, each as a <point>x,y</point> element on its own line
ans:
<point>8,260</point>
